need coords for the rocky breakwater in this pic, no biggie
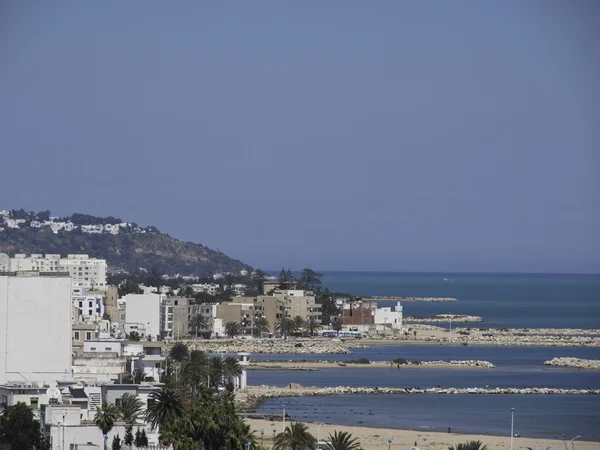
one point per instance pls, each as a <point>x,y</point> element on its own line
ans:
<point>545,337</point>
<point>444,318</point>
<point>463,363</point>
<point>412,299</point>
<point>253,395</point>
<point>257,346</point>
<point>575,362</point>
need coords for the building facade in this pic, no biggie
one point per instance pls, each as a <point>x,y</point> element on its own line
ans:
<point>35,335</point>
<point>148,314</point>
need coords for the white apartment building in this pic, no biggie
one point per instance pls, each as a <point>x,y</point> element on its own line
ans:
<point>86,273</point>
<point>90,306</point>
<point>35,327</point>
<point>149,315</point>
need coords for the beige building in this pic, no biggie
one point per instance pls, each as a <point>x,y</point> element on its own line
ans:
<point>184,312</point>
<point>272,307</point>
<point>82,332</point>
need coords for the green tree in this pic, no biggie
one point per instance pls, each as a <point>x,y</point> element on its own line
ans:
<point>116,443</point>
<point>337,324</point>
<point>328,307</point>
<point>295,437</point>
<point>312,325</point>
<point>179,352</point>
<point>309,281</point>
<point>286,279</point>
<point>198,323</point>
<point>129,286</point>
<point>469,445</point>
<point>261,324</point>
<point>164,406</point>
<point>137,441</point>
<point>133,336</point>
<point>299,324</point>
<point>138,376</point>
<point>105,419</point>
<point>106,316</point>
<point>19,429</point>
<point>232,329</point>
<point>144,438</point>
<point>130,408</point>
<point>342,441</point>
<point>128,438</point>
<point>285,326</point>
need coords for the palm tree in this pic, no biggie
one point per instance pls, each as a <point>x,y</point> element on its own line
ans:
<point>285,326</point>
<point>198,322</point>
<point>312,325</point>
<point>138,376</point>
<point>164,405</point>
<point>105,419</point>
<point>295,437</point>
<point>262,324</point>
<point>179,352</point>
<point>342,441</point>
<point>216,370</point>
<point>231,368</point>
<point>298,324</point>
<point>130,408</point>
<point>470,445</point>
<point>232,329</point>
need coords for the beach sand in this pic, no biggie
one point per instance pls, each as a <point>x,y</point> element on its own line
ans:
<point>376,438</point>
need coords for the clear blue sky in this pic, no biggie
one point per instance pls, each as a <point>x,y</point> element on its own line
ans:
<point>371,135</point>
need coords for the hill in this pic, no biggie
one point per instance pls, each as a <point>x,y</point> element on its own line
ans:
<point>123,245</point>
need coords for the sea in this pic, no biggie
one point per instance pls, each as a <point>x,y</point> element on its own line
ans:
<point>504,301</point>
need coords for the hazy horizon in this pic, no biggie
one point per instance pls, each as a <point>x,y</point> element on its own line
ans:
<point>389,136</point>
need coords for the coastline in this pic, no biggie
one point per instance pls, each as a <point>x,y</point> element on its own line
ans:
<point>376,438</point>
<point>318,365</point>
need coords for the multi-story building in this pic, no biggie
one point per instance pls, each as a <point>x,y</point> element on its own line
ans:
<point>35,330</point>
<point>86,273</point>
<point>148,314</point>
<point>90,306</point>
<point>184,312</point>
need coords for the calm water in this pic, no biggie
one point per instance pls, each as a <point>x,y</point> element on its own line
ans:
<point>512,301</point>
<point>535,416</point>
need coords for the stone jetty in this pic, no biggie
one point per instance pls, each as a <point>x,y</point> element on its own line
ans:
<point>411,299</point>
<point>575,362</point>
<point>253,395</point>
<point>258,346</point>
<point>444,318</point>
<point>463,363</point>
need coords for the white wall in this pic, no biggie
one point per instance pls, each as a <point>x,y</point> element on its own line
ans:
<point>35,330</point>
<point>386,315</point>
<point>144,309</point>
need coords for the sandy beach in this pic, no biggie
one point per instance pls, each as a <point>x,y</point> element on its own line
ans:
<point>376,438</point>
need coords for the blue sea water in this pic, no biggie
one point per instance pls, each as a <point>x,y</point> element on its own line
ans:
<point>503,300</point>
<point>511,301</point>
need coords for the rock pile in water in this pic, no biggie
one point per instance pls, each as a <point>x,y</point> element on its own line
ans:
<point>257,346</point>
<point>445,318</point>
<point>575,362</point>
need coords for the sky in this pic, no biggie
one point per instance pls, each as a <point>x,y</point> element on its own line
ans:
<point>337,135</point>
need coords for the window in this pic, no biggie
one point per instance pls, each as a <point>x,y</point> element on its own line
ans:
<point>90,304</point>
<point>34,401</point>
<point>81,304</point>
<point>93,349</point>
<point>108,349</point>
<point>88,335</point>
<point>118,402</point>
<point>76,334</point>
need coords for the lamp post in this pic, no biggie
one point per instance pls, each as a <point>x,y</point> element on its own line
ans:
<point>283,419</point>
<point>561,438</point>
<point>248,445</point>
<point>512,427</point>
<point>574,439</point>
<point>319,435</point>
<point>274,432</point>
<point>389,443</point>
<point>262,436</point>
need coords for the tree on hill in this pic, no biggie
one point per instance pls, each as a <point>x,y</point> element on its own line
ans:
<point>310,281</point>
<point>129,287</point>
<point>286,279</point>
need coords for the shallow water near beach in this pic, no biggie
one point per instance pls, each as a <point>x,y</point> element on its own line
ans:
<point>539,416</point>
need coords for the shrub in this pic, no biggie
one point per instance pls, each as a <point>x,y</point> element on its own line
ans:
<point>400,361</point>
<point>416,362</point>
